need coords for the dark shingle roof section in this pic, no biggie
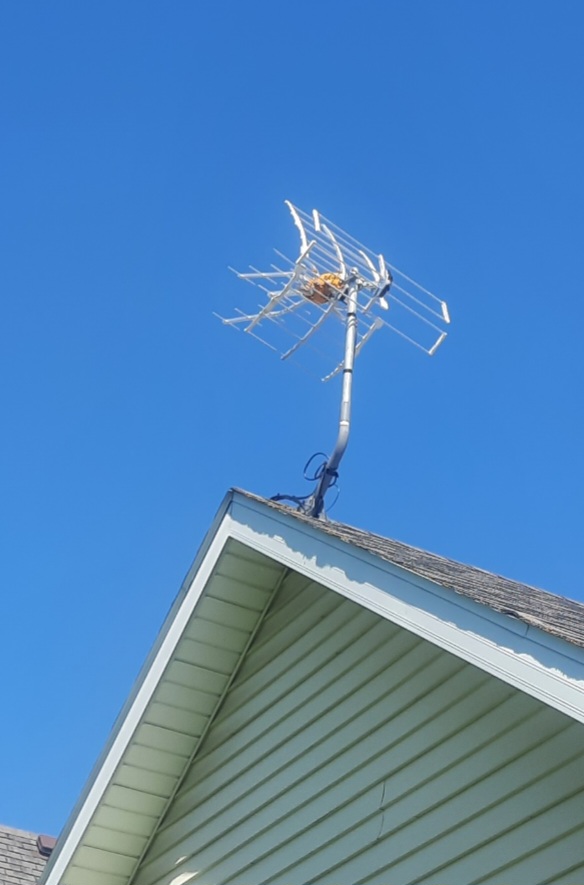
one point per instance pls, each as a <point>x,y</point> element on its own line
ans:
<point>20,860</point>
<point>553,614</point>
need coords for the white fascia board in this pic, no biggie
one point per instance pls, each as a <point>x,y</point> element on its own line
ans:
<point>533,661</point>
<point>141,694</point>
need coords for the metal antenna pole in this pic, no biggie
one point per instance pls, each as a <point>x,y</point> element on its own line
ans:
<point>315,504</point>
<point>335,288</point>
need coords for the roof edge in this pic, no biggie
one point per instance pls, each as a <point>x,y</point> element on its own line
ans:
<point>526,657</point>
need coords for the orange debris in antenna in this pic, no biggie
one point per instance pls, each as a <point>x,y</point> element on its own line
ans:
<point>323,288</point>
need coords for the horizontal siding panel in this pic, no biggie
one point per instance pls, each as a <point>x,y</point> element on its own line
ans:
<point>247,596</point>
<point>159,737</point>
<point>321,614</point>
<point>210,633</point>
<point>413,834</point>
<point>176,695</point>
<point>267,758</point>
<point>292,585</point>
<point>248,808</point>
<point>330,823</point>
<point>157,761</point>
<point>545,828</point>
<point>118,842</point>
<point>303,659</point>
<point>185,699</point>
<point>503,829</point>
<point>308,720</point>
<point>76,875</point>
<point>350,752</point>
<point>215,659</point>
<point>355,773</point>
<point>227,613</point>
<point>297,603</point>
<point>104,861</point>
<point>124,821</point>
<point>134,801</point>
<point>192,676</point>
<point>176,719</point>
<point>257,572</point>
<point>144,781</point>
<point>556,855</point>
<point>307,656</point>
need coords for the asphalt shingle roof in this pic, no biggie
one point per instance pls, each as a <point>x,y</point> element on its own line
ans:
<point>538,608</point>
<point>20,860</point>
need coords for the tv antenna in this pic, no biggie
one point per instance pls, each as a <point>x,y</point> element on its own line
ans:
<point>336,284</point>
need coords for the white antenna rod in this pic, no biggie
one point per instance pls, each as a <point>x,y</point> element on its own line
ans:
<point>336,285</point>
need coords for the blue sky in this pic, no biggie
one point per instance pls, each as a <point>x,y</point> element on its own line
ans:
<point>146,146</point>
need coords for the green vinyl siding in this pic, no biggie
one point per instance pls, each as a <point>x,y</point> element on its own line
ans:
<point>349,751</point>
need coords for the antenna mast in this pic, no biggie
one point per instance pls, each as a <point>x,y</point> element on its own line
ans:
<point>336,284</point>
<point>314,506</point>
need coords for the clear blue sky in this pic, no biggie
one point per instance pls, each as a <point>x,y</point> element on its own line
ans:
<point>147,145</point>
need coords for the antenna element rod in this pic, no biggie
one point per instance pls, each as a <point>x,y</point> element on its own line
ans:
<point>315,504</point>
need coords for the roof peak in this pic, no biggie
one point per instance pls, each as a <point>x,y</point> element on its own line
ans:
<point>554,614</point>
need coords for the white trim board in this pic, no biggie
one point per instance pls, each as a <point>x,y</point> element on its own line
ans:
<point>529,659</point>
